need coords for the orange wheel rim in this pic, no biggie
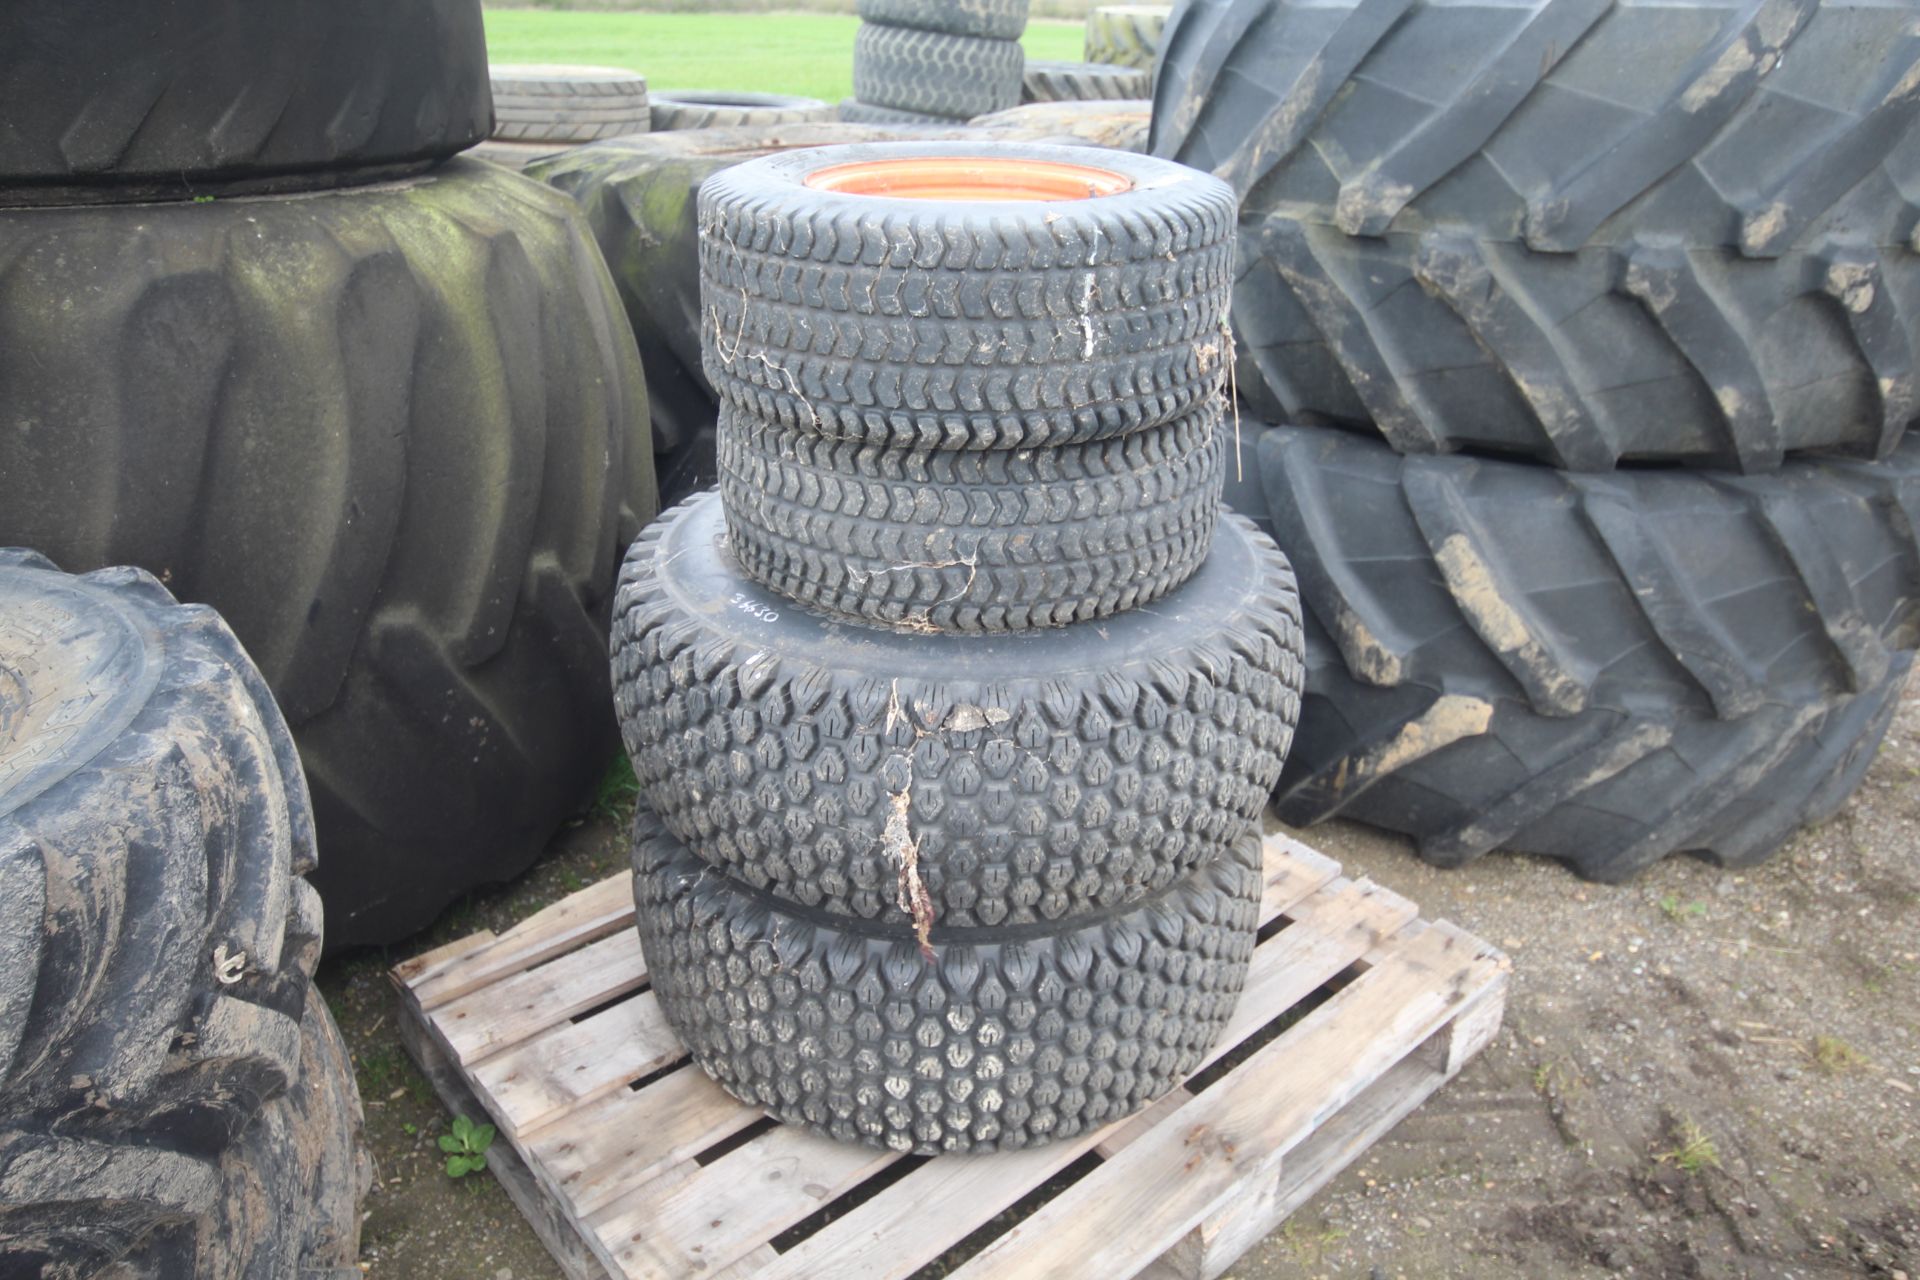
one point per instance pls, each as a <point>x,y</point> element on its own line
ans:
<point>970,178</point>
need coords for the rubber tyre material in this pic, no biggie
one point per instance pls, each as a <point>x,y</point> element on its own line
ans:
<point>972,540</point>
<point>996,1040</point>
<point>1469,229</point>
<point>157,932</point>
<point>958,77</point>
<point>701,109</point>
<point>964,324</point>
<point>992,19</point>
<point>117,101</point>
<point>1602,669</point>
<point>397,436</point>
<point>1126,35</point>
<point>853,111</point>
<point>542,103</point>
<point>1121,125</point>
<point>1083,81</point>
<point>1019,777</point>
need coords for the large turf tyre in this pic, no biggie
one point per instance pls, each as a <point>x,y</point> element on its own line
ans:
<point>853,111</point>
<point>397,436</point>
<point>958,77</point>
<point>1126,35</point>
<point>973,324</point>
<point>988,1040</point>
<point>1122,125</point>
<point>1083,81</point>
<point>966,780</point>
<point>993,19</point>
<point>541,103</point>
<point>122,100</point>
<point>714,109</point>
<point>1470,228</point>
<point>157,935</point>
<point>1603,669</point>
<point>975,539</point>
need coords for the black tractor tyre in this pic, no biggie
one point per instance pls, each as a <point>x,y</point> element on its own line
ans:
<point>986,324</point>
<point>1604,669</point>
<point>1467,227</point>
<point>993,19</point>
<point>157,936</point>
<point>1126,35</point>
<point>713,109</point>
<point>398,437</point>
<point>1083,81</point>
<point>951,780</point>
<point>971,539</point>
<point>119,100</point>
<point>985,1040</point>
<point>541,103</point>
<point>957,77</point>
<point>1121,125</point>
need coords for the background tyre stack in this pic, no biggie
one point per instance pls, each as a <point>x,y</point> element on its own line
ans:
<point>1126,35</point>
<point>950,839</point>
<point>935,61</point>
<point>539,109</point>
<point>388,419</point>
<point>1646,272</point>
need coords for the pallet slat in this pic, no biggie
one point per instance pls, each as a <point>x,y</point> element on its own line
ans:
<point>606,1135</point>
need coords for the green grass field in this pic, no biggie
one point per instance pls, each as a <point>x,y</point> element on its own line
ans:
<point>805,53</point>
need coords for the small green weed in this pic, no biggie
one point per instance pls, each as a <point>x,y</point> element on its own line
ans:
<point>1680,912</point>
<point>614,798</point>
<point>1694,1150</point>
<point>1834,1055</point>
<point>466,1147</point>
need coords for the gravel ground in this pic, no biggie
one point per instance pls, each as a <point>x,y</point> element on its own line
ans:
<point>1701,1073</point>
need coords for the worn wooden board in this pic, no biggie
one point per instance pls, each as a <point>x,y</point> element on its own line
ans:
<point>630,1163</point>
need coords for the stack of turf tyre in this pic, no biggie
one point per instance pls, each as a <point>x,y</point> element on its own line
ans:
<point>1594,325</point>
<point>955,706</point>
<point>175,1099</point>
<point>935,61</point>
<point>542,108</point>
<point>1126,35</point>
<point>266,336</point>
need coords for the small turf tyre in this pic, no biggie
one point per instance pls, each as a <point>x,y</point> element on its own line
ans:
<point>714,109</point>
<point>542,103</point>
<point>1126,35</point>
<point>1122,125</point>
<point>992,19</point>
<point>1010,778</point>
<point>1083,81</point>
<point>1603,669</point>
<point>119,100</point>
<point>397,436</point>
<point>983,324</point>
<point>990,1040</point>
<point>958,77</point>
<point>1469,228</point>
<point>853,111</point>
<point>971,540</point>
<point>157,935</point>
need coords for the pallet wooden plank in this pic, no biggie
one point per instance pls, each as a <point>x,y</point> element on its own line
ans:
<point>408,972</point>
<point>577,919</point>
<point>497,1017</point>
<point>1146,1199</point>
<point>576,1062</point>
<point>1288,878</point>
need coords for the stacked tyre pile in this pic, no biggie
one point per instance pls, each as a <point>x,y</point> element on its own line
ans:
<point>1126,35</point>
<point>955,704</point>
<point>175,1099</point>
<point>540,109</point>
<point>269,338</point>
<point>1595,328</point>
<point>935,61</point>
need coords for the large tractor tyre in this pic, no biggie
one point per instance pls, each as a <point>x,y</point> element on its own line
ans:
<point>1469,227</point>
<point>1083,81</point>
<point>1122,125</point>
<point>972,539</point>
<point>962,780</point>
<point>1603,669</point>
<point>121,100</point>
<point>540,103</point>
<point>1126,35</point>
<point>157,939</point>
<point>397,436</point>
<point>848,295</point>
<point>981,1040</point>
<point>993,19</point>
<point>714,109</point>
<point>957,77</point>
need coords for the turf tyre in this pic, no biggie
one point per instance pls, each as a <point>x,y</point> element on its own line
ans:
<point>853,111</point>
<point>990,1040</point>
<point>1083,81</point>
<point>1121,125</point>
<point>397,436</point>
<point>956,77</point>
<point>991,19</point>
<point>699,109</point>
<point>540,103</point>
<point>1126,35</point>
<point>1010,778</point>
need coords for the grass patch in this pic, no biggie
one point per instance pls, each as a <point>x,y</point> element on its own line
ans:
<point>1834,1055</point>
<point>1693,1151</point>
<point>803,53</point>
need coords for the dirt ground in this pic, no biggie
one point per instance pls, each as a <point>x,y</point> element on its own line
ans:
<point>1701,1073</point>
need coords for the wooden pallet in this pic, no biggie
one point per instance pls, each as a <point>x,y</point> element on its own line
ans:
<point>1354,1013</point>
